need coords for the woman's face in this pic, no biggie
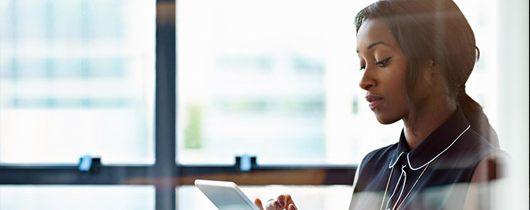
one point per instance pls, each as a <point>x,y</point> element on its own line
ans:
<point>385,67</point>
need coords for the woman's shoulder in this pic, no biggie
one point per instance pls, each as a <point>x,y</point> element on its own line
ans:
<point>379,157</point>
<point>474,151</point>
<point>474,145</point>
<point>491,160</point>
<point>372,165</point>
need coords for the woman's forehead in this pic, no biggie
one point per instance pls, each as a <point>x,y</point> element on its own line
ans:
<point>374,31</point>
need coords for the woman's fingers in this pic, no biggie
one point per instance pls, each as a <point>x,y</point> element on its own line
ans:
<point>258,203</point>
<point>284,201</point>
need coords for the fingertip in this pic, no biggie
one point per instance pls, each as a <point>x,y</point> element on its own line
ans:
<point>281,201</point>
<point>291,207</point>
<point>258,203</point>
<point>287,196</point>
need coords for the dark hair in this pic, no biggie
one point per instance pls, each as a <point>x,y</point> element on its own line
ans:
<point>435,30</point>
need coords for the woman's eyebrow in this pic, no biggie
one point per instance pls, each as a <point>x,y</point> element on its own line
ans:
<point>376,43</point>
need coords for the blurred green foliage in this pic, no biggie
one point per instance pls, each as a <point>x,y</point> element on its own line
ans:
<point>192,132</point>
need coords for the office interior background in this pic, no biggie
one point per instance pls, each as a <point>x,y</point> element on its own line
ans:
<point>164,92</point>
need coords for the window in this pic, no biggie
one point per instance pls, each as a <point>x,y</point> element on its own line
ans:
<point>77,78</point>
<point>279,83</point>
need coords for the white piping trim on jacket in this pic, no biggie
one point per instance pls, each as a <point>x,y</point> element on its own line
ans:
<point>415,169</point>
<point>393,164</point>
<point>402,187</point>
<point>395,189</point>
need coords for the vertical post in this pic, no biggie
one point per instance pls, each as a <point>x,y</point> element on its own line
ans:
<point>165,168</point>
<point>513,107</point>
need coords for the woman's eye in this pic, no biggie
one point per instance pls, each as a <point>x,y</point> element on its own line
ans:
<point>362,68</point>
<point>383,62</point>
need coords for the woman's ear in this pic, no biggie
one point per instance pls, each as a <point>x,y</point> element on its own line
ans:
<point>432,76</point>
<point>431,66</point>
<point>430,70</point>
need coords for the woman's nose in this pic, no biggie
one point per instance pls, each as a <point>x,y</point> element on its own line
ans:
<point>367,81</point>
<point>366,87</point>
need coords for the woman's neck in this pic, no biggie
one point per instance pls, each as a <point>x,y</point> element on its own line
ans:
<point>428,119</point>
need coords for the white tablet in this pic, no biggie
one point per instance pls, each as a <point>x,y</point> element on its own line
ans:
<point>225,195</point>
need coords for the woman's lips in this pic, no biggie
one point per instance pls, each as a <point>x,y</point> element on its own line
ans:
<point>373,101</point>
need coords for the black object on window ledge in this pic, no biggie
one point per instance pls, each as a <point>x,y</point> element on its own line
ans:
<point>245,163</point>
<point>89,164</point>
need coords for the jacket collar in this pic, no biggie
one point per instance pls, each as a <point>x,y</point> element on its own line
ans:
<point>437,143</point>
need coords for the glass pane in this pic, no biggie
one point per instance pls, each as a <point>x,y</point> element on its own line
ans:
<point>306,197</point>
<point>77,78</point>
<point>79,198</point>
<point>279,80</point>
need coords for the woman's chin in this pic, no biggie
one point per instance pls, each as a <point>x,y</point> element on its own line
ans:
<point>385,120</point>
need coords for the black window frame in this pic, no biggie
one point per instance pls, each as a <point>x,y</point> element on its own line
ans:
<point>166,175</point>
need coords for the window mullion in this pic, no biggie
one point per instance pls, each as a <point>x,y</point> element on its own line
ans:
<point>165,102</point>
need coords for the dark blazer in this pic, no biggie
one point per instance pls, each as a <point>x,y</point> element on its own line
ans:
<point>434,175</point>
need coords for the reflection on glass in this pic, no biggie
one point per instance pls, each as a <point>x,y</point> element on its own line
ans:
<point>79,198</point>
<point>305,197</point>
<point>76,78</point>
<point>279,80</point>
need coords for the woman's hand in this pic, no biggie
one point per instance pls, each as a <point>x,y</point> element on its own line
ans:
<point>283,202</point>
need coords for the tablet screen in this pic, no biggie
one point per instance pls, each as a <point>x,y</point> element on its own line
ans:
<point>225,195</point>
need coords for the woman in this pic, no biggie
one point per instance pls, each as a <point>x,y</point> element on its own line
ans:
<point>417,56</point>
